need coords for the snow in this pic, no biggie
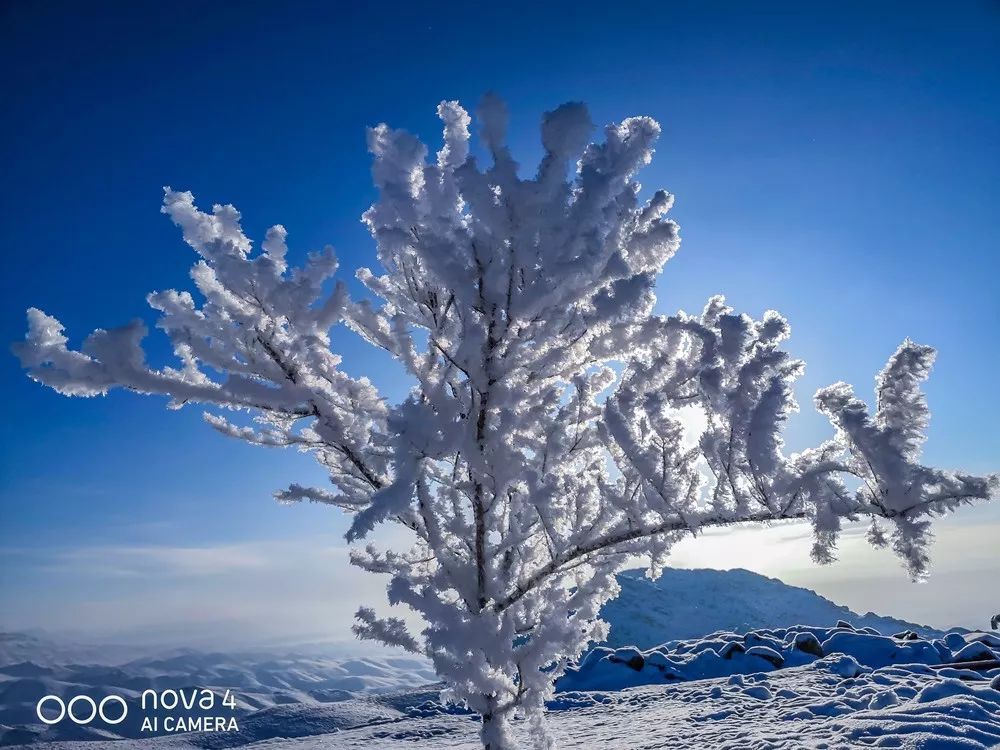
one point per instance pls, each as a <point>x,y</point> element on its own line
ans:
<point>831,703</point>
<point>765,688</point>
<point>791,709</point>
<point>689,603</point>
<point>843,650</point>
<point>277,694</point>
<point>837,685</point>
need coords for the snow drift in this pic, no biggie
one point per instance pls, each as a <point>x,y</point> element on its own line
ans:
<point>846,649</point>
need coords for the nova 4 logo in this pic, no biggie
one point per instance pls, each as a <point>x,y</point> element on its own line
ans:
<point>82,709</point>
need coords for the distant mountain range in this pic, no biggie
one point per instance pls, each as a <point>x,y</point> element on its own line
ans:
<point>267,687</point>
<point>44,649</point>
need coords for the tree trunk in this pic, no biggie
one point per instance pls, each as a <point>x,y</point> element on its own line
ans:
<point>495,729</point>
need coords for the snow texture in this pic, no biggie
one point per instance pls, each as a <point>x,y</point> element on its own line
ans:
<point>683,604</point>
<point>277,694</point>
<point>834,703</point>
<point>844,648</point>
<point>839,685</point>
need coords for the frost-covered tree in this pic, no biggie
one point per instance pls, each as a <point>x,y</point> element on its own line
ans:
<point>542,445</point>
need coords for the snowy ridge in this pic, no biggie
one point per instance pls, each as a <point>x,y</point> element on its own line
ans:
<point>684,603</point>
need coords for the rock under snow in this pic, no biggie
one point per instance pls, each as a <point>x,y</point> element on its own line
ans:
<point>843,649</point>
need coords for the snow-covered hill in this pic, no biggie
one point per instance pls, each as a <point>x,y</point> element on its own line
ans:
<point>686,603</point>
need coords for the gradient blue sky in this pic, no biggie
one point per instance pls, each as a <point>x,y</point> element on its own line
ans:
<point>836,161</point>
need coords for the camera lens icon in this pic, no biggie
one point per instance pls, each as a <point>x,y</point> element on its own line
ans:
<point>81,714</point>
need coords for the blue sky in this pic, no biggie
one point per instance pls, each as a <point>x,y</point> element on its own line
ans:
<point>836,161</point>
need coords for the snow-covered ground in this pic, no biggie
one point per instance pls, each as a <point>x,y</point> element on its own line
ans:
<point>840,685</point>
<point>816,706</point>
<point>805,707</point>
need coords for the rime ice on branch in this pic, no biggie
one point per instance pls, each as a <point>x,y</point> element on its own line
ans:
<point>541,445</point>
